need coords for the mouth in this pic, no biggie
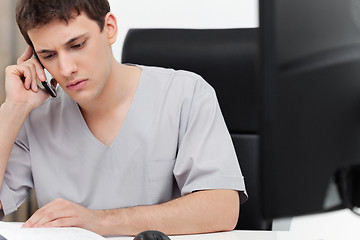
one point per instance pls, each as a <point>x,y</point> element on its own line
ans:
<point>77,85</point>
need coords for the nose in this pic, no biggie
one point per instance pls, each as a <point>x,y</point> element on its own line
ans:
<point>67,65</point>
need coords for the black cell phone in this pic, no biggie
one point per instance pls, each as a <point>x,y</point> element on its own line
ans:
<point>47,85</point>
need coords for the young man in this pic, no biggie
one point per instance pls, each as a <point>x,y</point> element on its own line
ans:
<point>122,148</point>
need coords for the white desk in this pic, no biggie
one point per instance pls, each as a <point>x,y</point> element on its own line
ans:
<point>339,225</point>
<point>234,235</point>
<point>247,235</point>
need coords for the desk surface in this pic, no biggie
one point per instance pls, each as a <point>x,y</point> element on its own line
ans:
<point>250,235</point>
<point>234,235</point>
<point>342,224</point>
<point>260,235</point>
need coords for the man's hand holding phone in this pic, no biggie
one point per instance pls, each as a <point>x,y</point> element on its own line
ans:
<point>22,95</point>
<point>21,81</point>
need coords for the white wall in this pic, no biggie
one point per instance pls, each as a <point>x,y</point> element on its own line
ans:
<point>182,14</point>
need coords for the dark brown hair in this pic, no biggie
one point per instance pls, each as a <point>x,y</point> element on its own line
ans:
<point>36,13</point>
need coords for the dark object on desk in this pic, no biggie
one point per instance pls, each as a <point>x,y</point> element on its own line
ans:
<point>2,238</point>
<point>228,60</point>
<point>151,235</point>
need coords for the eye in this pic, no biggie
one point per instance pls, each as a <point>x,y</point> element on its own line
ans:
<point>49,56</point>
<point>79,45</point>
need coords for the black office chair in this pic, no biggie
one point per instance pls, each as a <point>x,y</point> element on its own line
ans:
<point>228,60</point>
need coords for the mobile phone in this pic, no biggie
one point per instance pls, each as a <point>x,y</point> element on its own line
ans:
<point>46,84</point>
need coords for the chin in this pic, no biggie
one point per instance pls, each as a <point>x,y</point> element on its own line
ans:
<point>81,98</point>
<point>86,96</point>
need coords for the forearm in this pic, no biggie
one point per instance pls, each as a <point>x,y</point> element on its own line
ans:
<point>22,95</point>
<point>12,117</point>
<point>200,212</point>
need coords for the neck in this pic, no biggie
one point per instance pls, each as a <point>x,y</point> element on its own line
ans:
<point>118,91</point>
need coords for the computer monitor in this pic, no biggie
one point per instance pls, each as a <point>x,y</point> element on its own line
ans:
<point>310,134</point>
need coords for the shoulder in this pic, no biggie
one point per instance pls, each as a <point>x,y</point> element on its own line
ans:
<point>178,80</point>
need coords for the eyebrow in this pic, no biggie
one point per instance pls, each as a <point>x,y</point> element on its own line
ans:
<point>75,38</point>
<point>69,42</point>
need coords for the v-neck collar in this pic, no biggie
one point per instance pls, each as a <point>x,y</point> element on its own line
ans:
<point>127,124</point>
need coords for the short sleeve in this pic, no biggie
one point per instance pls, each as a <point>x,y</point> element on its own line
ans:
<point>206,156</point>
<point>17,180</point>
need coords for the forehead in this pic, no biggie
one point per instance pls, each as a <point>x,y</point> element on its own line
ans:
<point>58,32</point>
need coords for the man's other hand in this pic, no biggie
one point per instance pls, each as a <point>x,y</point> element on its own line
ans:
<point>63,213</point>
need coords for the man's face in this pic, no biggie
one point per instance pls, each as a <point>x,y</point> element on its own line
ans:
<point>77,54</point>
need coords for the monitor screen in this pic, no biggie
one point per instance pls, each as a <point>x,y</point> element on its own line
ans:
<point>310,133</point>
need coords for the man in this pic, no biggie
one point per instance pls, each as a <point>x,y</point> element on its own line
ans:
<point>122,148</point>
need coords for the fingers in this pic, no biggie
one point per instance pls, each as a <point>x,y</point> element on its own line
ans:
<point>61,222</point>
<point>58,213</point>
<point>24,73</point>
<point>28,83</point>
<point>21,84</point>
<point>35,68</point>
<point>25,56</point>
<point>48,213</point>
<point>36,72</point>
<point>63,213</point>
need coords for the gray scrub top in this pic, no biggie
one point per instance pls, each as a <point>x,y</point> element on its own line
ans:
<point>173,141</point>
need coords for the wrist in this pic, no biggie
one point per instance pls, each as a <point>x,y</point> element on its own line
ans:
<point>105,223</point>
<point>12,117</point>
<point>115,222</point>
<point>17,108</point>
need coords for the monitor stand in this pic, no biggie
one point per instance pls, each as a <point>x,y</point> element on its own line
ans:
<point>281,224</point>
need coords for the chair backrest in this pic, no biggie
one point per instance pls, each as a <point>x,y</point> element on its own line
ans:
<point>228,60</point>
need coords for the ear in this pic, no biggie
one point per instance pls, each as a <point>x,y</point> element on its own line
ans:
<point>110,27</point>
